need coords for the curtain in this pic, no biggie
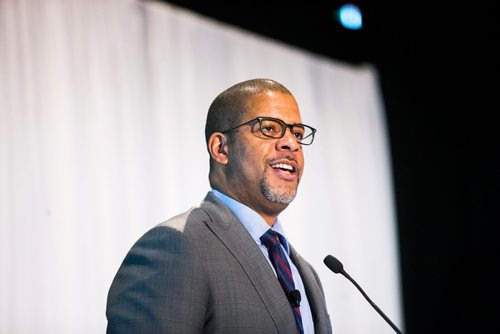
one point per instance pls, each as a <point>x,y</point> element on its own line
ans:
<point>102,111</point>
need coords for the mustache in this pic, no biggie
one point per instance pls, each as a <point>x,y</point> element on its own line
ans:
<point>287,157</point>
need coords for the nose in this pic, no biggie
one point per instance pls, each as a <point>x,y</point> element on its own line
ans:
<point>288,142</point>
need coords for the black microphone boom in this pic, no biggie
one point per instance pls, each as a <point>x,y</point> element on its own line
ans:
<point>336,266</point>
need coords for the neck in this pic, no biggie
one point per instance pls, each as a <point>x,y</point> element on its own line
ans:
<point>269,213</point>
<point>270,220</point>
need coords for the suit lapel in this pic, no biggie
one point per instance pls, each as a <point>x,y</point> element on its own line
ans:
<point>313,291</point>
<point>239,242</point>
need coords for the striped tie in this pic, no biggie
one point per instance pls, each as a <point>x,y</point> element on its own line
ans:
<point>270,239</point>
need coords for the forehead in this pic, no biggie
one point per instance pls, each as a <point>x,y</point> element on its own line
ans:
<point>274,104</point>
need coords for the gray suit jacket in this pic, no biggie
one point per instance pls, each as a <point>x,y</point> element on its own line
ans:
<point>201,272</point>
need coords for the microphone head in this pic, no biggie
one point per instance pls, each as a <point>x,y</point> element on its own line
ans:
<point>294,298</point>
<point>334,264</point>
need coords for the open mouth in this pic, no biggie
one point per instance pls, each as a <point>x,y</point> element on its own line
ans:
<point>284,167</point>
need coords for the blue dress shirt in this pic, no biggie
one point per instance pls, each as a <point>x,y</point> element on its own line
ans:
<point>257,226</point>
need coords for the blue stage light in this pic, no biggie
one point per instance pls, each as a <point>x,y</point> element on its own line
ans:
<point>350,17</point>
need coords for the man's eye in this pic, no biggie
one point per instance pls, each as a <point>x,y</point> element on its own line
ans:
<point>269,128</point>
<point>299,134</point>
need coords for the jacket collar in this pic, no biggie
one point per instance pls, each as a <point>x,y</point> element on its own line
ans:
<point>238,241</point>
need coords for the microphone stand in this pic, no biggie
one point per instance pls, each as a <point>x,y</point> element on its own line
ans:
<point>346,275</point>
<point>336,266</point>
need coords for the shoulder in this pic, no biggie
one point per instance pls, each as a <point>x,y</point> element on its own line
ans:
<point>185,222</point>
<point>154,273</point>
<point>175,234</point>
<point>167,248</point>
<point>195,220</point>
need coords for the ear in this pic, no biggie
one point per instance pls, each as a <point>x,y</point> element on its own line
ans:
<point>217,146</point>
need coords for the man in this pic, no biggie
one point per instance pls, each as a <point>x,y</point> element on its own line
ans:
<point>217,268</point>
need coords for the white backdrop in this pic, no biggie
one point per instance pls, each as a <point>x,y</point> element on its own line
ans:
<point>102,110</point>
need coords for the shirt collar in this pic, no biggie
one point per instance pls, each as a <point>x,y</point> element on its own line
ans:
<point>251,220</point>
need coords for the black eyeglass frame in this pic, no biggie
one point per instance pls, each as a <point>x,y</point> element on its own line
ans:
<point>284,126</point>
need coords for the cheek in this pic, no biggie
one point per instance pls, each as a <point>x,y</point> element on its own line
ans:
<point>301,164</point>
<point>246,159</point>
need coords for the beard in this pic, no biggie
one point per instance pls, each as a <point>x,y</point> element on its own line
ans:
<point>276,194</point>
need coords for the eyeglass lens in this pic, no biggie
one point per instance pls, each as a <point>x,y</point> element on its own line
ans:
<point>276,129</point>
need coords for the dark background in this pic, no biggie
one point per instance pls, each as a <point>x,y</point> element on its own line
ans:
<point>435,65</point>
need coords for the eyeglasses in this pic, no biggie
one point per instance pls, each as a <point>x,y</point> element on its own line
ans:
<point>276,128</point>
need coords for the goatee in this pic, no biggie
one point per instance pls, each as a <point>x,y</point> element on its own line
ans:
<point>275,194</point>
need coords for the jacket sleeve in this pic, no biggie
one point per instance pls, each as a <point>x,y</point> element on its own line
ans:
<point>159,287</point>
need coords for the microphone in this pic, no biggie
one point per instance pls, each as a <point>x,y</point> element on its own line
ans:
<point>294,298</point>
<point>336,266</point>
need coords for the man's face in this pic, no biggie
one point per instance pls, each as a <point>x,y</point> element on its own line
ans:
<point>265,172</point>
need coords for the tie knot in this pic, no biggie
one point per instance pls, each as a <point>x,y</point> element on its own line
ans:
<point>270,239</point>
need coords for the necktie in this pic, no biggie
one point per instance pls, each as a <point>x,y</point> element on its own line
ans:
<point>270,239</point>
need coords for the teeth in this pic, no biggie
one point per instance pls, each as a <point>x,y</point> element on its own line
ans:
<point>283,166</point>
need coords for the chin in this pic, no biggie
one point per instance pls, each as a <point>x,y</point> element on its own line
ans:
<point>276,194</point>
<point>280,196</point>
